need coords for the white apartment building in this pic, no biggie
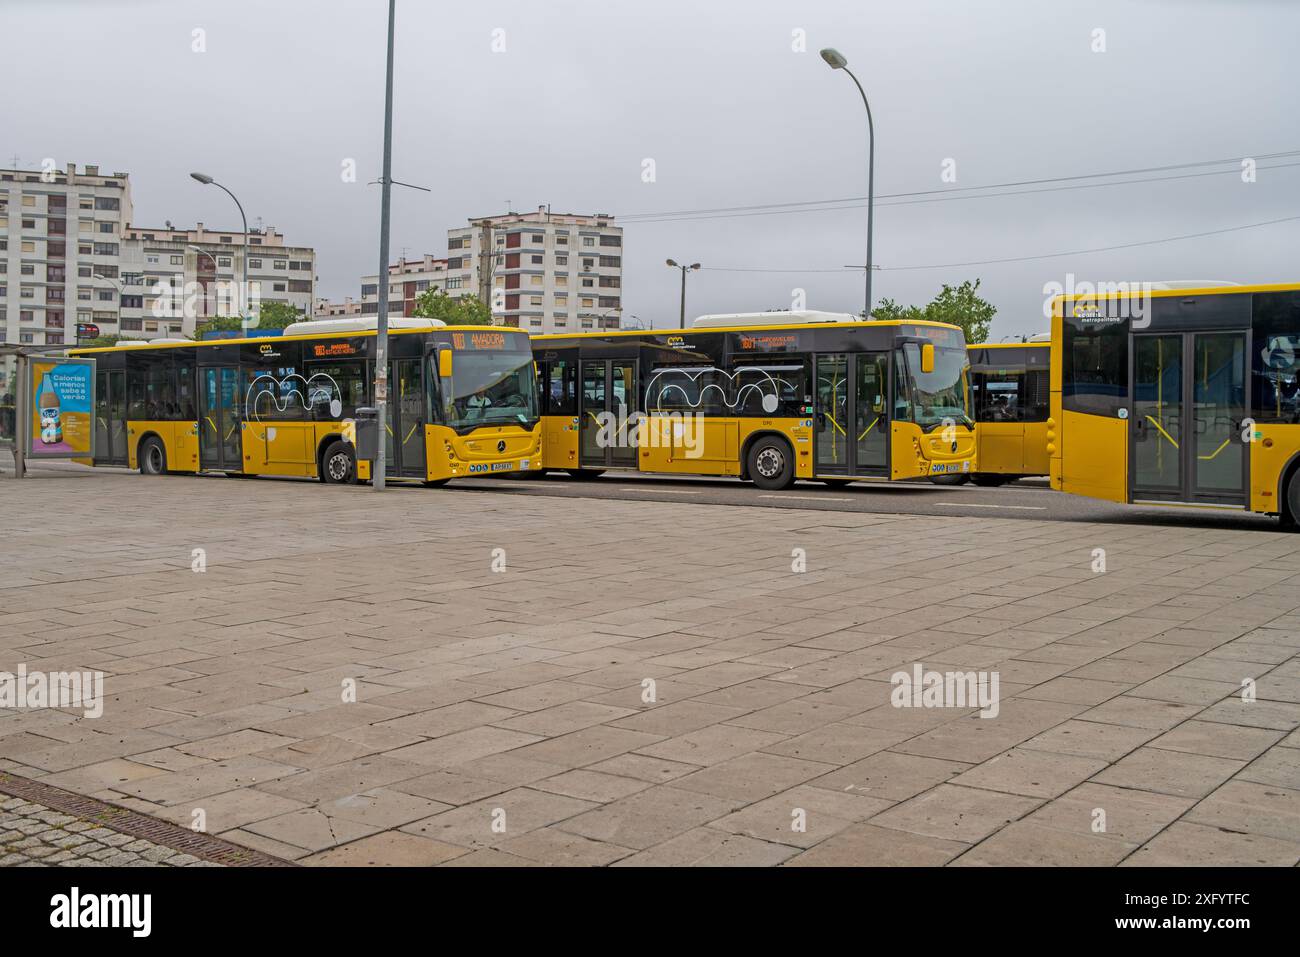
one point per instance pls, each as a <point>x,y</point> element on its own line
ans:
<point>327,309</point>
<point>407,279</point>
<point>59,230</point>
<point>172,279</point>
<point>541,271</point>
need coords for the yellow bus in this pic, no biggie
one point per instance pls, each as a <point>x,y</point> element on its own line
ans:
<point>1010,394</point>
<point>462,402</point>
<point>1178,394</point>
<point>769,397</point>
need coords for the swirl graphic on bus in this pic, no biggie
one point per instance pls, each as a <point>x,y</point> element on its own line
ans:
<point>317,389</point>
<point>693,384</point>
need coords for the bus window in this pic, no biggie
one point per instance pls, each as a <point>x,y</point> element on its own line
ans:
<point>1276,363</point>
<point>335,389</point>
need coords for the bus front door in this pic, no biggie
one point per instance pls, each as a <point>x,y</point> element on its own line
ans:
<point>852,417</point>
<point>608,431</point>
<point>1186,428</point>
<point>406,430</point>
<point>220,440</point>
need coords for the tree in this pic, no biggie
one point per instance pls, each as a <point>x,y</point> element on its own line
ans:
<point>101,342</point>
<point>270,315</point>
<point>961,306</point>
<point>956,305</point>
<point>465,311</point>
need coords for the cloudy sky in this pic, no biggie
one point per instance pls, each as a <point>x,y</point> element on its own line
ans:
<point>731,102</point>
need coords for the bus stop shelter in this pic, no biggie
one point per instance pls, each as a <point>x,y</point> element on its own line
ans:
<point>66,403</point>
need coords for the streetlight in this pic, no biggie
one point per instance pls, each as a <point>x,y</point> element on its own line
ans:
<point>685,270</point>
<point>207,180</point>
<point>836,61</point>
<point>379,469</point>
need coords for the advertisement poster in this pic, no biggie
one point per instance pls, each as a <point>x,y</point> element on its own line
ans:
<point>62,402</point>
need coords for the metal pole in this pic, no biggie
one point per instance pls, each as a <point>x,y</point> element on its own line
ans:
<point>683,320</point>
<point>21,415</point>
<point>381,334</point>
<point>242,299</point>
<point>871,182</point>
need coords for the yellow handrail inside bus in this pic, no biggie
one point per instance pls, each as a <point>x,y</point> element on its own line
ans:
<point>869,428</point>
<point>1161,428</point>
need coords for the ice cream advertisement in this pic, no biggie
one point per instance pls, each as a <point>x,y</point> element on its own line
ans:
<point>62,398</point>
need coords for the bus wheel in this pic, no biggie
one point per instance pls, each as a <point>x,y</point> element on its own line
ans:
<point>153,457</point>
<point>585,473</point>
<point>770,464</point>
<point>958,479</point>
<point>339,465</point>
<point>835,483</point>
<point>1291,514</point>
<point>989,481</point>
<point>436,483</point>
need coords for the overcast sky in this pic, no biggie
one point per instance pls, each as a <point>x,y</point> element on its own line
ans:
<point>732,114</point>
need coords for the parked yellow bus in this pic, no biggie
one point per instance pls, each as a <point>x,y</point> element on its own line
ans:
<point>1010,385</point>
<point>769,397</point>
<point>462,402</point>
<point>1176,395</point>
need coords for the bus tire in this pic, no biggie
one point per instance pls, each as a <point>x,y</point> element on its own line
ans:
<point>958,479</point>
<point>338,466</point>
<point>584,474</point>
<point>771,463</point>
<point>152,456</point>
<point>1291,509</point>
<point>989,481</point>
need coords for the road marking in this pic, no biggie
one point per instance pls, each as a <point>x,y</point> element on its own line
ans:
<point>813,498</point>
<point>664,491</point>
<point>1023,508</point>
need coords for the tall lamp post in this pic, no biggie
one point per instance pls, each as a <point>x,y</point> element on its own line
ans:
<point>685,270</point>
<point>836,61</point>
<point>242,302</point>
<point>378,472</point>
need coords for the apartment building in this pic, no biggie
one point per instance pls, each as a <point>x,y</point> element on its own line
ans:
<point>328,309</point>
<point>407,279</point>
<point>60,245</point>
<point>172,278</point>
<point>541,271</point>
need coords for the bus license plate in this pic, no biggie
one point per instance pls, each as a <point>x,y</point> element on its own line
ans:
<point>494,467</point>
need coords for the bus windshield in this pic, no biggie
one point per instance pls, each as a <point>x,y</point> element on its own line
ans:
<point>934,398</point>
<point>489,388</point>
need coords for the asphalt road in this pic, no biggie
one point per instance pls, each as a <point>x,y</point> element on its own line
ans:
<point>1025,499</point>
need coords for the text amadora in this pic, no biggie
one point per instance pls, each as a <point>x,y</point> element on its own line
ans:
<point>103,910</point>
<point>950,689</point>
<point>57,689</point>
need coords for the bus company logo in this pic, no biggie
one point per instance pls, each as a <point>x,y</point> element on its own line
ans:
<point>1101,301</point>
<point>458,340</point>
<point>268,351</point>
<point>950,689</point>
<point>768,343</point>
<point>678,342</point>
<point>501,445</point>
<point>487,340</point>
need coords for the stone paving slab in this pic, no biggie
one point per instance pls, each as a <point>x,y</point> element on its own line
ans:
<point>349,680</point>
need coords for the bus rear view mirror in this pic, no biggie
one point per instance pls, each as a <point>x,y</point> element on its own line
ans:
<point>927,358</point>
<point>444,363</point>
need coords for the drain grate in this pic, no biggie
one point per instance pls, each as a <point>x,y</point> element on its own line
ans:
<point>126,821</point>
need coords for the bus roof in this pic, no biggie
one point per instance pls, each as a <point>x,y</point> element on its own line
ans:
<point>1198,287</point>
<point>790,317</point>
<point>134,344</point>
<point>857,324</point>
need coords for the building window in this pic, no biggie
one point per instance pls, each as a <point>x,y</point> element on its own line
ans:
<point>29,246</point>
<point>611,240</point>
<point>561,260</point>
<point>454,282</point>
<point>538,238</point>
<point>536,260</point>
<point>29,224</point>
<point>223,261</point>
<point>105,227</point>
<point>107,202</point>
<point>588,240</point>
<point>281,264</point>
<point>255,264</point>
<point>178,260</point>
<point>227,239</point>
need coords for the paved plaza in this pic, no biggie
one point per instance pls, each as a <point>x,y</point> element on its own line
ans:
<point>466,677</point>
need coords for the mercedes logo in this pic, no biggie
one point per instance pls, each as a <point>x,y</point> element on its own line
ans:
<point>501,446</point>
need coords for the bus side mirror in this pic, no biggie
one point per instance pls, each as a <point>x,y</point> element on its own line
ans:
<point>444,363</point>
<point>927,358</point>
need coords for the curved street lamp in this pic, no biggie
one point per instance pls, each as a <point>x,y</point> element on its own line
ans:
<point>836,61</point>
<point>207,180</point>
<point>685,269</point>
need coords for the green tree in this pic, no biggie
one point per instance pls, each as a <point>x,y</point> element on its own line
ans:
<point>957,305</point>
<point>101,342</point>
<point>270,315</point>
<point>962,306</point>
<point>465,311</point>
